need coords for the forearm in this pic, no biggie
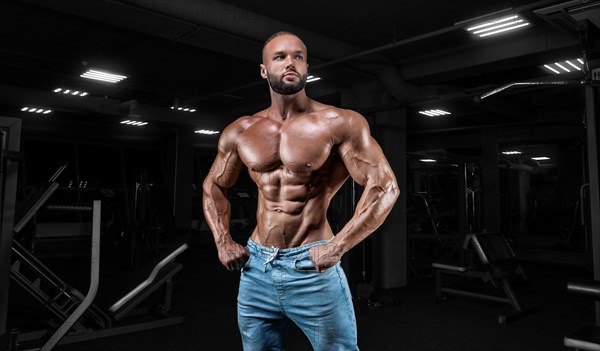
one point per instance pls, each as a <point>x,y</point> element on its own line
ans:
<point>217,211</point>
<point>373,208</point>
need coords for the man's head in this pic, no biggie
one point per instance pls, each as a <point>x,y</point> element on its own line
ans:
<point>284,64</point>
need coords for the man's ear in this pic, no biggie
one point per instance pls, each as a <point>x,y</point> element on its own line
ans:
<point>263,71</point>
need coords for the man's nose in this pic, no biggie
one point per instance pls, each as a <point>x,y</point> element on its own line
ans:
<point>289,63</point>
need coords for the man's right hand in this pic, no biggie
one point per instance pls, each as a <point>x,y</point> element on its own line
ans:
<point>232,255</point>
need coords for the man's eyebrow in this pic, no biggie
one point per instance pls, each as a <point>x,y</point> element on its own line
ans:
<point>281,52</point>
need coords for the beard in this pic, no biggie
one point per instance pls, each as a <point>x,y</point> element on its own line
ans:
<point>283,88</point>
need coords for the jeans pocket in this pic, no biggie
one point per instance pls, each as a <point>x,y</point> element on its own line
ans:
<point>305,264</point>
<point>247,264</point>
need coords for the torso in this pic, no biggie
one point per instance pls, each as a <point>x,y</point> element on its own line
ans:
<point>297,168</point>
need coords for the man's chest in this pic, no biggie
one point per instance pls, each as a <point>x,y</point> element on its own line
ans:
<point>298,146</point>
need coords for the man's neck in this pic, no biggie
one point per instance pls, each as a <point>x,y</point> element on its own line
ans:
<point>285,106</point>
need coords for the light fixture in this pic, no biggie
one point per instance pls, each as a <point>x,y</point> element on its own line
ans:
<point>103,76</point>
<point>312,78</point>
<point>565,66</point>
<point>498,25</point>
<point>206,132</point>
<point>427,160</point>
<point>540,158</point>
<point>511,152</point>
<point>134,123</point>
<point>183,109</point>
<point>65,91</point>
<point>434,112</point>
<point>43,111</point>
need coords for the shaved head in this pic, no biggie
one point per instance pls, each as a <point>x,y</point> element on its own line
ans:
<point>278,34</point>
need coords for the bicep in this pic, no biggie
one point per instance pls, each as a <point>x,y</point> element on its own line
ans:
<point>365,161</point>
<point>363,157</point>
<point>227,165</point>
<point>225,169</point>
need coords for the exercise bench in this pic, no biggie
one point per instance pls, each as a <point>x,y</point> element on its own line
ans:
<point>587,338</point>
<point>498,265</point>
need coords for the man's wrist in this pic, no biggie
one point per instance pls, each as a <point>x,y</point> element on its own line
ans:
<point>223,240</point>
<point>338,248</point>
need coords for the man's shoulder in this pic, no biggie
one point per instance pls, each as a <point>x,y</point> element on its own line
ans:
<point>333,112</point>
<point>242,123</point>
<point>343,117</point>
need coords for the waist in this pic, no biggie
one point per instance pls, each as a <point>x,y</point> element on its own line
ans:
<point>291,252</point>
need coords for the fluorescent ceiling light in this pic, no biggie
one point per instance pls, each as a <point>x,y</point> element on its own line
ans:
<point>496,26</point>
<point>491,23</point>
<point>44,111</point>
<point>572,65</point>
<point>552,69</point>
<point>312,79</point>
<point>134,123</point>
<point>184,109</point>
<point>511,152</point>
<point>103,76</point>
<point>434,112</point>
<point>427,160</point>
<point>540,158</point>
<point>504,30</point>
<point>565,66</point>
<point>70,92</point>
<point>206,132</point>
<point>562,67</point>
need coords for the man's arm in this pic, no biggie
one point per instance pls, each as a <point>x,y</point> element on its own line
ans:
<point>368,166</point>
<point>217,209</point>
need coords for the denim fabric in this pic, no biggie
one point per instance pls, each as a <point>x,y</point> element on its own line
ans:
<point>280,286</point>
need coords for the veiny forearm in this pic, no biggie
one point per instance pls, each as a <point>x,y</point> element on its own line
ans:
<point>373,207</point>
<point>217,210</point>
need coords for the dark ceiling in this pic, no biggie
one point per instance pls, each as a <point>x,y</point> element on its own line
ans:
<point>205,54</point>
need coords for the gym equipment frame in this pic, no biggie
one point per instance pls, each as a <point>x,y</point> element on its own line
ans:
<point>499,264</point>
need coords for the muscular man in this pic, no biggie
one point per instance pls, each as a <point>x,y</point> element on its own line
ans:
<point>299,152</point>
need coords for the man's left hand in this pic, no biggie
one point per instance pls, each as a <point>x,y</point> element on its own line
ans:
<point>325,256</point>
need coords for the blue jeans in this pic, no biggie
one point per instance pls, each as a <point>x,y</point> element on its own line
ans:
<point>280,286</point>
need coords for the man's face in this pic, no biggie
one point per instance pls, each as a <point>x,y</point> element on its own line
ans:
<point>284,64</point>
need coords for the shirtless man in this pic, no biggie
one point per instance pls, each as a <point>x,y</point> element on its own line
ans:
<point>299,152</point>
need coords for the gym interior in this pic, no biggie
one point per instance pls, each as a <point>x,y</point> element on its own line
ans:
<point>486,111</point>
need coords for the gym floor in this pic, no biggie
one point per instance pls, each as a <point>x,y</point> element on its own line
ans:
<point>408,319</point>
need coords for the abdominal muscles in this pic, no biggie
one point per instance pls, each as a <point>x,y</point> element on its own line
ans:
<point>292,208</point>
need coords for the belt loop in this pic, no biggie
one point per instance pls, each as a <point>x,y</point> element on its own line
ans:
<point>271,257</point>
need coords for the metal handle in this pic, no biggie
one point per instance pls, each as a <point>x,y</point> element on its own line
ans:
<point>94,282</point>
<point>581,199</point>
